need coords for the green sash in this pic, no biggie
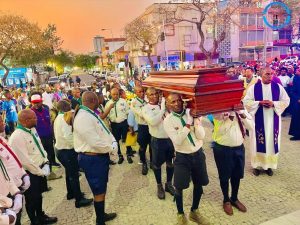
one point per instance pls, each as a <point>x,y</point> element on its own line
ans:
<point>34,138</point>
<point>140,100</point>
<point>5,174</point>
<point>96,116</point>
<point>115,102</point>
<point>183,124</point>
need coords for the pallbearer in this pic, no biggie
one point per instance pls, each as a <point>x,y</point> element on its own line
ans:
<point>144,137</point>
<point>161,144</point>
<point>187,135</point>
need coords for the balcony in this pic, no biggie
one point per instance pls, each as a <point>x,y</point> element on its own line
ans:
<point>282,42</point>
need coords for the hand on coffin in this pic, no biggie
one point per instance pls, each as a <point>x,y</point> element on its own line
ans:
<point>241,113</point>
<point>163,104</point>
<point>190,118</point>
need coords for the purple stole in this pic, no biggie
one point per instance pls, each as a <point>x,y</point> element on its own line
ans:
<point>259,117</point>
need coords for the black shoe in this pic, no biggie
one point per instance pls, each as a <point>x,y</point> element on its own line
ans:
<point>121,159</point>
<point>160,192</point>
<point>269,172</point>
<point>83,202</point>
<point>45,219</point>
<point>132,152</point>
<point>56,164</point>
<point>144,169</point>
<point>256,172</point>
<point>112,162</point>
<point>129,159</point>
<point>109,216</point>
<point>71,196</point>
<point>295,138</point>
<point>169,188</point>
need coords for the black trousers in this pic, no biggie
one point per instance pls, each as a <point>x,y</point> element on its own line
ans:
<point>33,197</point>
<point>119,130</point>
<point>49,147</point>
<point>68,158</point>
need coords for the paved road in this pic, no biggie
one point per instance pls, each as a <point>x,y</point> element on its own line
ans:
<point>133,196</point>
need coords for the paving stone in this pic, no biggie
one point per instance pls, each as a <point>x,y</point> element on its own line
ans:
<point>133,196</point>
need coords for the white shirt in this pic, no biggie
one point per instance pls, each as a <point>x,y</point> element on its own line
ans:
<point>7,186</point>
<point>90,135</point>
<point>47,99</point>
<point>63,133</point>
<point>179,134</point>
<point>15,171</point>
<point>285,80</point>
<point>153,115</point>
<point>119,112</point>
<point>136,106</point>
<point>27,151</point>
<point>228,132</point>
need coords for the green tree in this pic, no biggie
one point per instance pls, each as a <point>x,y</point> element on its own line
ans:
<point>18,38</point>
<point>62,59</point>
<point>85,61</point>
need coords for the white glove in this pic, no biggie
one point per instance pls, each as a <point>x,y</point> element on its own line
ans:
<point>18,203</point>
<point>163,104</point>
<point>241,112</point>
<point>115,146</point>
<point>46,170</point>
<point>232,114</point>
<point>114,153</point>
<point>26,183</point>
<point>190,119</point>
<point>10,212</point>
<point>198,121</point>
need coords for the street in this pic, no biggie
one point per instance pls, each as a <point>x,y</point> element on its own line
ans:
<point>133,196</point>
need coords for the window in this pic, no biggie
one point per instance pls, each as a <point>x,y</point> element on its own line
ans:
<point>251,35</point>
<point>243,19</point>
<point>243,37</point>
<point>251,19</point>
<point>260,22</point>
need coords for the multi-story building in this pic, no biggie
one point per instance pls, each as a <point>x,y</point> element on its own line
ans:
<point>248,40</point>
<point>180,46</point>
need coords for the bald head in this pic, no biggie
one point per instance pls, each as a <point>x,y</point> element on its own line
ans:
<point>174,102</point>
<point>90,100</point>
<point>27,118</point>
<point>139,91</point>
<point>114,94</point>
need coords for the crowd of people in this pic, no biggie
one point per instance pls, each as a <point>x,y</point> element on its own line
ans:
<point>84,131</point>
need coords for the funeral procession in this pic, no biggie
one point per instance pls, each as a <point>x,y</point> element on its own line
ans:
<point>150,112</point>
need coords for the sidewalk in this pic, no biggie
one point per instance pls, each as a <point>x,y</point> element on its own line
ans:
<point>133,196</point>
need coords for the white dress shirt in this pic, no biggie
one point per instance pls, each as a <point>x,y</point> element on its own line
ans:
<point>154,116</point>
<point>119,112</point>
<point>63,133</point>
<point>179,134</point>
<point>7,185</point>
<point>137,105</point>
<point>227,132</point>
<point>90,135</point>
<point>15,171</point>
<point>27,151</point>
<point>48,99</point>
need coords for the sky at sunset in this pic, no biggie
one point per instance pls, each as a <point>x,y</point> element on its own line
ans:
<point>78,21</point>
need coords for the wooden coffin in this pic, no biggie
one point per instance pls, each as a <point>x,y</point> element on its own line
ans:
<point>206,90</point>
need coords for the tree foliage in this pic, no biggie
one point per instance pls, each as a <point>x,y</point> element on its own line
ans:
<point>85,61</point>
<point>19,38</point>
<point>143,35</point>
<point>61,60</point>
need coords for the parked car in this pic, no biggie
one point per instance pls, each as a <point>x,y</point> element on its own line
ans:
<point>293,59</point>
<point>64,76</point>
